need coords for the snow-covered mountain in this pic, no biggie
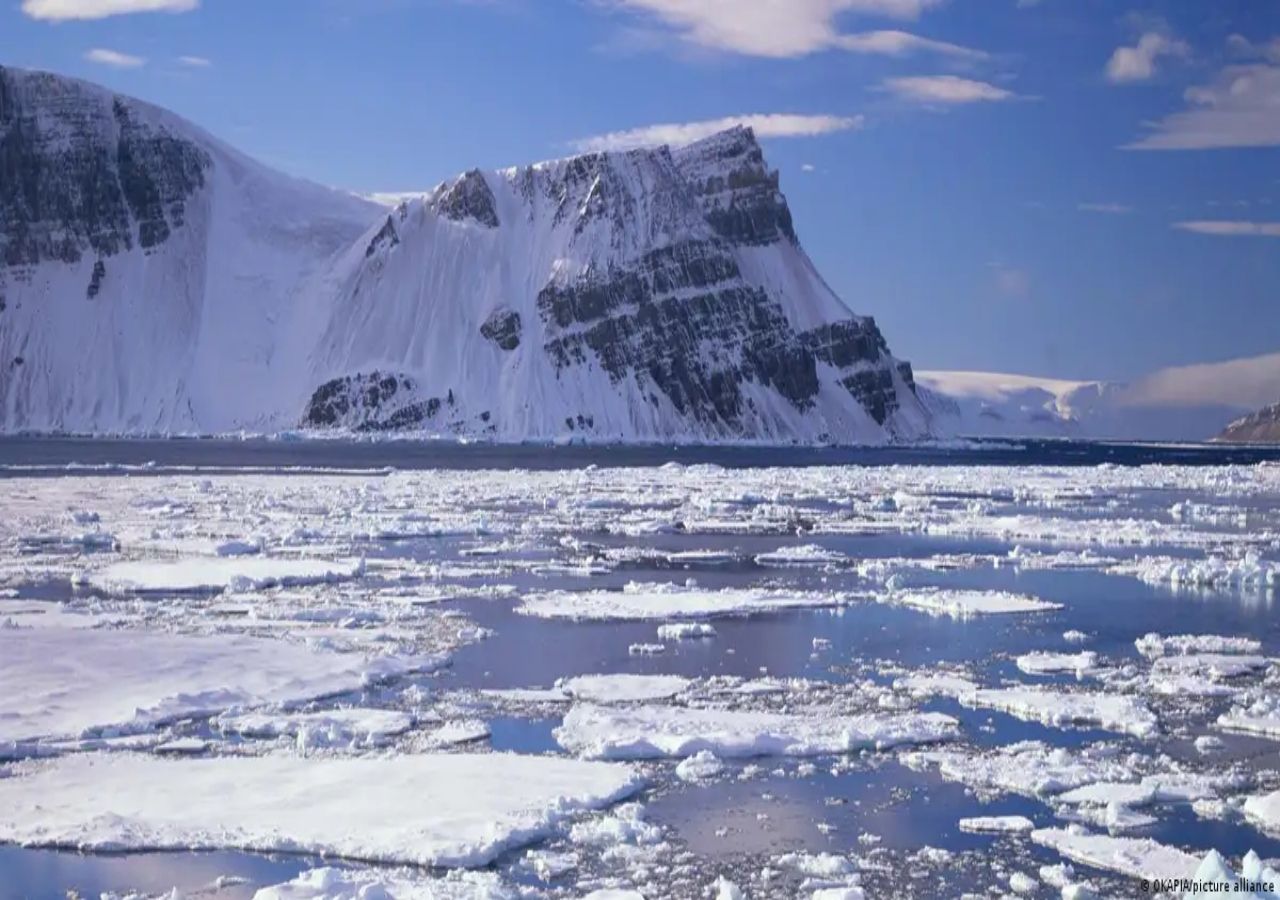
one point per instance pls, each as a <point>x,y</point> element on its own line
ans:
<point>1261,427</point>
<point>147,271</point>
<point>1183,403</point>
<point>153,279</point>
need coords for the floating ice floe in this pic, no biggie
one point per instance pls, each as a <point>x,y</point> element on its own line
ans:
<point>1250,572</point>
<point>801,556</point>
<point>1044,663</point>
<point>453,810</point>
<point>1056,708</point>
<point>656,602</point>
<point>1263,810</point>
<point>672,732</point>
<point>701,766</point>
<point>624,688</point>
<point>67,682</point>
<point>1154,645</point>
<point>1134,857</point>
<point>329,883</point>
<point>997,824</point>
<point>216,574</point>
<point>330,728</point>
<point>964,604</point>
<point>1260,717</point>
<point>1030,768</point>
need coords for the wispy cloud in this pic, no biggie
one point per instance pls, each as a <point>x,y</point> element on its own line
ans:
<point>64,10</point>
<point>115,59</point>
<point>1239,108</point>
<point>945,89</point>
<point>780,30</point>
<point>195,62</point>
<point>1223,228</point>
<point>765,125</point>
<point>1138,63</point>
<point>1111,209</point>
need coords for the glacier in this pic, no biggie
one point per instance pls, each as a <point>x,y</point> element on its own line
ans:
<point>154,280</point>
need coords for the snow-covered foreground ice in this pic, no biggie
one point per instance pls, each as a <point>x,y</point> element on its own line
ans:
<point>430,809</point>
<point>854,681</point>
<point>62,683</point>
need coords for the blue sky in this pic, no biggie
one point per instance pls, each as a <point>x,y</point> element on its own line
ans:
<point>1073,188</point>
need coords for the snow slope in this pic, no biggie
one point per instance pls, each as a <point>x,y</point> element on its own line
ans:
<point>1179,403</point>
<point>146,269</point>
<point>155,280</point>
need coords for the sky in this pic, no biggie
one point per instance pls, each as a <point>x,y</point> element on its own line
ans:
<point>1066,188</point>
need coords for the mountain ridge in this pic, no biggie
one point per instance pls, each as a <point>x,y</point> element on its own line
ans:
<point>645,295</point>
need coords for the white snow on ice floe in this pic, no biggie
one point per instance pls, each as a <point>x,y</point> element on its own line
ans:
<point>997,824</point>
<point>1045,663</point>
<point>1030,768</point>
<point>214,574</point>
<point>1264,811</point>
<point>454,810</point>
<point>797,557</point>
<point>624,688</point>
<point>1056,708</point>
<point>1154,645</point>
<point>672,732</point>
<point>66,682</point>
<point>1134,857</point>
<point>330,883</point>
<point>656,602</point>
<point>964,604</point>
<point>355,728</point>
<point>1262,716</point>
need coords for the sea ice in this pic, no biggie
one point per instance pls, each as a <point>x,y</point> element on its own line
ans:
<point>656,602</point>
<point>1029,768</point>
<point>331,728</point>
<point>997,824</point>
<point>329,883</point>
<point>1135,857</point>
<point>964,604</point>
<point>657,732</point>
<point>1260,717</point>
<point>216,574</point>
<point>66,682</point>
<point>623,688</point>
<point>1154,645</point>
<point>1043,663</point>
<point>452,810</point>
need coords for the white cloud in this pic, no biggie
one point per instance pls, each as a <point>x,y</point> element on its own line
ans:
<point>1138,63</point>
<point>63,10</point>
<point>947,89</point>
<point>195,62</point>
<point>808,167</point>
<point>1113,209</point>
<point>771,125</point>
<point>1240,108</point>
<point>789,28</point>
<point>1241,47</point>
<point>1232,229</point>
<point>114,58</point>
<point>901,43</point>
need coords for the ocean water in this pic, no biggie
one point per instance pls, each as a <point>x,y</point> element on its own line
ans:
<point>458,542</point>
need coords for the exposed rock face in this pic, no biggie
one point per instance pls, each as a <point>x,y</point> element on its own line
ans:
<point>1262,427</point>
<point>469,197</point>
<point>83,174</point>
<point>503,328</point>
